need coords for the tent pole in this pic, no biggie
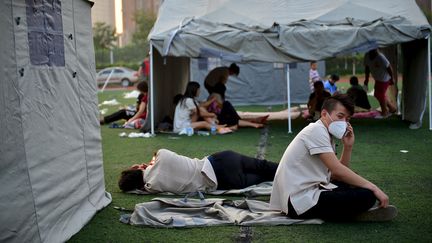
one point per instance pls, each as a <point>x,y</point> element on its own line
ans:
<point>429,84</point>
<point>151,90</point>
<point>288,98</point>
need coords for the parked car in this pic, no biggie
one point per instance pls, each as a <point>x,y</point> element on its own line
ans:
<point>120,75</point>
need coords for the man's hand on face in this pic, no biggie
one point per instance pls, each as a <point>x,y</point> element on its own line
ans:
<point>348,139</point>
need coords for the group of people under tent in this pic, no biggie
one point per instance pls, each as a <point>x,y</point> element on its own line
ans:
<point>310,181</point>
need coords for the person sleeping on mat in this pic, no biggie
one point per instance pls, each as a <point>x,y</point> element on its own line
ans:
<point>171,172</point>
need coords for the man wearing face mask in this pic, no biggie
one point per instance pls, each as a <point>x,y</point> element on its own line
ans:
<point>311,182</point>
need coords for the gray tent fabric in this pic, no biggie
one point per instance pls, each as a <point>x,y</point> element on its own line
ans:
<point>51,175</point>
<point>169,80</point>
<point>285,31</point>
<point>296,42</point>
<point>313,30</point>
<point>178,213</point>
<point>415,79</point>
<point>260,83</point>
<point>262,189</point>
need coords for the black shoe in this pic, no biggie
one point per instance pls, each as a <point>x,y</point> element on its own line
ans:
<point>377,214</point>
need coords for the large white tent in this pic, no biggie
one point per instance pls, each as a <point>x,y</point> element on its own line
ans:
<point>51,174</point>
<point>284,31</point>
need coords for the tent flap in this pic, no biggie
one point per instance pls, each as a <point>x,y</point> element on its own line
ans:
<point>296,42</point>
<point>415,79</point>
<point>51,173</point>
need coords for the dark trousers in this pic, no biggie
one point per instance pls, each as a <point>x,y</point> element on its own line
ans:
<point>236,171</point>
<point>119,115</point>
<point>228,115</point>
<point>339,204</point>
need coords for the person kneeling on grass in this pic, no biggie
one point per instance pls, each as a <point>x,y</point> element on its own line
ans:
<point>171,172</point>
<point>303,188</point>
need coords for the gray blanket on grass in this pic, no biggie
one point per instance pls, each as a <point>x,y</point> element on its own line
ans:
<point>262,189</point>
<point>180,213</point>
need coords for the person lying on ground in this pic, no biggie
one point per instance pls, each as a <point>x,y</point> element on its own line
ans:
<point>131,116</point>
<point>171,172</point>
<point>269,115</point>
<point>226,113</point>
<point>311,182</point>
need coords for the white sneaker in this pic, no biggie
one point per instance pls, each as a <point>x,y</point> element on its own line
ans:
<point>377,214</point>
<point>380,116</point>
<point>416,125</point>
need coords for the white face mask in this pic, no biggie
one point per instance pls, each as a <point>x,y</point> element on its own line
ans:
<point>337,128</point>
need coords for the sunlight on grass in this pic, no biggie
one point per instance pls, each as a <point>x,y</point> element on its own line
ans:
<point>405,177</point>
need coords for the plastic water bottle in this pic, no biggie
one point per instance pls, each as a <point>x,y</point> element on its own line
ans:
<point>213,128</point>
<point>189,131</point>
<point>203,133</point>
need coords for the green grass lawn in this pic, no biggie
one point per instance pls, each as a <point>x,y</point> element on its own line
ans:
<point>405,177</point>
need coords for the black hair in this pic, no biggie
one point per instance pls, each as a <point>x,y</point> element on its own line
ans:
<point>343,99</point>
<point>177,98</point>
<point>131,179</point>
<point>142,86</point>
<point>191,92</point>
<point>318,84</point>
<point>234,68</point>
<point>354,80</point>
<point>334,77</point>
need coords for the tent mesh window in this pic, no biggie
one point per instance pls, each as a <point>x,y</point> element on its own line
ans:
<point>45,32</point>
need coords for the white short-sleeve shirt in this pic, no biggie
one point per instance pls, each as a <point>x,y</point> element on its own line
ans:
<point>179,174</point>
<point>301,175</point>
<point>182,114</point>
<point>378,67</point>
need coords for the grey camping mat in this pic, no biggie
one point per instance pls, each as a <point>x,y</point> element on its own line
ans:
<point>262,189</point>
<point>186,212</point>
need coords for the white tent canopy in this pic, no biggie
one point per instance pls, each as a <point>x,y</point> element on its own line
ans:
<point>51,174</point>
<point>285,31</point>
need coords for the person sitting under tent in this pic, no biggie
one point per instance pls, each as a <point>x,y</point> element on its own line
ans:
<point>316,100</point>
<point>311,182</point>
<point>170,172</point>
<point>188,113</point>
<point>358,95</point>
<point>132,116</point>
<point>330,84</point>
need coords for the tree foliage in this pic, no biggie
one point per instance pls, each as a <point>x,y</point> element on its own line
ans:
<point>104,36</point>
<point>144,23</point>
